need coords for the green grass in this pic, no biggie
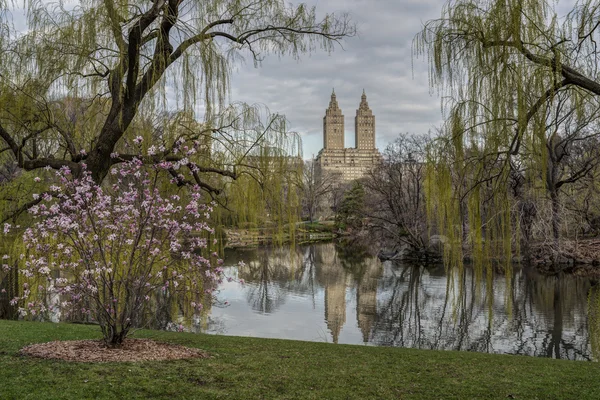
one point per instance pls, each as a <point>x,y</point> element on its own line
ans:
<point>246,368</point>
<point>318,226</point>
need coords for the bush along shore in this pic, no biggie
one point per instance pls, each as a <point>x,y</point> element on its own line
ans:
<point>252,368</point>
<point>577,257</point>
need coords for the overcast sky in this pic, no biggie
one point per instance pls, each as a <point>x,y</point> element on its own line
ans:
<point>379,60</point>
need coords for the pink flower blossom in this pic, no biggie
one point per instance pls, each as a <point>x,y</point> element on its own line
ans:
<point>89,240</point>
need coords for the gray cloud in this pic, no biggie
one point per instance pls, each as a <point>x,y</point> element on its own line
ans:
<point>379,60</point>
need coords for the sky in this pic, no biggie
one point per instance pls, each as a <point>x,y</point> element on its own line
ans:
<point>379,60</point>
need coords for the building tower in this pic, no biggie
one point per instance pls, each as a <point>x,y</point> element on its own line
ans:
<point>364,125</point>
<point>333,125</point>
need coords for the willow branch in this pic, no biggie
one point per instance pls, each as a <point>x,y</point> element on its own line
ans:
<point>516,142</point>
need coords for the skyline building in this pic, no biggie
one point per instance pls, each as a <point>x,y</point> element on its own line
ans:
<point>349,162</point>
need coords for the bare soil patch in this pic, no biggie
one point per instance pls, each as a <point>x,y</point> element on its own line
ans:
<point>97,351</point>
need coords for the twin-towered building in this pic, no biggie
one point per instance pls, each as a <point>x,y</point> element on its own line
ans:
<point>353,162</point>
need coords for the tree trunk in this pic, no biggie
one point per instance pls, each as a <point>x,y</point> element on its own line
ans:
<point>527,215</point>
<point>553,347</point>
<point>116,336</point>
<point>555,217</point>
<point>99,160</point>
<point>112,335</point>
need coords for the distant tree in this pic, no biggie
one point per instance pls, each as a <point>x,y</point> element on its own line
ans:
<point>395,200</point>
<point>571,158</point>
<point>334,200</point>
<point>350,212</point>
<point>267,191</point>
<point>316,187</point>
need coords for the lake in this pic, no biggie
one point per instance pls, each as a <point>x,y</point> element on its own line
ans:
<point>331,293</point>
<point>340,294</point>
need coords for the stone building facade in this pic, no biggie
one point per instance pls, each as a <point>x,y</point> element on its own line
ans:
<point>348,163</point>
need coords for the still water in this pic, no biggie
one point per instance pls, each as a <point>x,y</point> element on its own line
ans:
<point>329,293</point>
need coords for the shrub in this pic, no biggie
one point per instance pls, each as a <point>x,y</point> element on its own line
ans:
<point>107,251</point>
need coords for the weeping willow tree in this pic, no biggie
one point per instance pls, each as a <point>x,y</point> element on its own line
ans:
<point>503,66</point>
<point>80,80</point>
<point>101,82</point>
<point>266,192</point>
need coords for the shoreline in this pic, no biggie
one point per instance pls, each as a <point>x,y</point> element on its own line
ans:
<point>244,238</point>
<point>579,258</point>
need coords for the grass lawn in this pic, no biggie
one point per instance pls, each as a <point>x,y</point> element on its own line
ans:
<point>247,368</point>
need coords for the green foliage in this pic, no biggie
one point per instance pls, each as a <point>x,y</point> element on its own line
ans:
<point>318,227</point>
<point>511,72</point>
<point>80,82</point>
<point>266,194</point>
<point>69,49</point>
<point>349,213</point>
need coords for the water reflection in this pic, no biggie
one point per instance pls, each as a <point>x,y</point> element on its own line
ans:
<point>544,316</point>
<point>339,294</point>
<point>331,293</point>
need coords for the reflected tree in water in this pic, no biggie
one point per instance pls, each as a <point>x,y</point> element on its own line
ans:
<point>472,308</point>
<point>269,275</point>
<point>399,304</point>
<point>528,314</point>
<point>272,273</point>
<point>550,316</point>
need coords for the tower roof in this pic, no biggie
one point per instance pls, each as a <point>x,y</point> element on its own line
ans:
<point>364,105</point>
<point>333,104</point>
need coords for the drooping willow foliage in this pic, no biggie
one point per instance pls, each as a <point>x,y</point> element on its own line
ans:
<point>66,49</point>
<point>266,193</point>
<point>81,80</point>
<point>102,82</point>
<point>516,77</point>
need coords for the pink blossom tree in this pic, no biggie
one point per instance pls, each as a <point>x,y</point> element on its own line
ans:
<point>108,250</point>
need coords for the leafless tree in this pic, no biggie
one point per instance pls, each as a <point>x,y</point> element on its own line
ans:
<point>395,193</point>
<point>316,187</point>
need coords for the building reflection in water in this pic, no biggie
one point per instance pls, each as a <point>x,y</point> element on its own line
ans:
<point>362,300</point>
<point>338,272</point>
<point>333,278</point>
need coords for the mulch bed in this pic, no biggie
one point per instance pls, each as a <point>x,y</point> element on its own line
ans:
<point>96,351</point>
